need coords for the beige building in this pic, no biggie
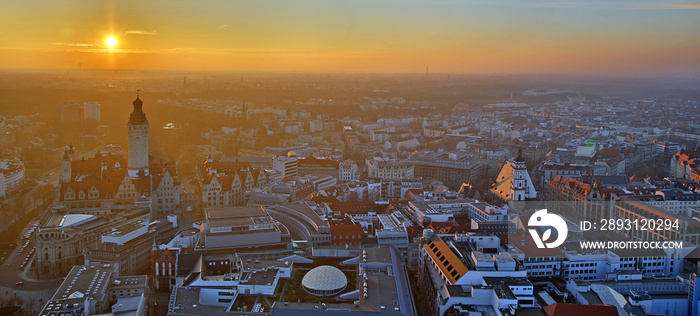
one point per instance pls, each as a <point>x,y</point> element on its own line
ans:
<point>383,168</point>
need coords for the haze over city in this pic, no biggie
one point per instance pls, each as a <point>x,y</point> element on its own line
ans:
<point>637,37</point>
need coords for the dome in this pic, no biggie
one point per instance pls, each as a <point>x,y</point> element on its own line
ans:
<point>137,116</point>
<point>137,103</point>
<point>324,281</point>
<point>520,157</point>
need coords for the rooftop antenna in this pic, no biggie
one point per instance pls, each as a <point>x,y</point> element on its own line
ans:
<point>137,92</point>
<point>426,71</point>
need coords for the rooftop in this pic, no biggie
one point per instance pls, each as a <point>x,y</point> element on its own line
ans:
<point>187,303</point>
<point>234,216</point>
<point>129,282</point>
<point>324,278</point>
<point>72,220</point>
<point>91,281</point>
<point>127,228</point>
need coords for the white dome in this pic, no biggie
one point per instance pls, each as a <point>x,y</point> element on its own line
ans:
<point>324,280</point>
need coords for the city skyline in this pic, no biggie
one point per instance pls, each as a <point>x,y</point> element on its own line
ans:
<point>593,37</point>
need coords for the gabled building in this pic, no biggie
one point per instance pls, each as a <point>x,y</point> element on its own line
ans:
<point>513,183</point>
<point>99,184</point>
<point>579,201</point>
<point>108,181</point>
<point>685,164</point>
<point>224,183</point>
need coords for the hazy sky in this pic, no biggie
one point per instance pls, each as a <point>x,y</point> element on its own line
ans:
<point>463,36</point>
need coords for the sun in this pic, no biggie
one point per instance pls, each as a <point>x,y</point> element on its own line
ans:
<point>111,41</point>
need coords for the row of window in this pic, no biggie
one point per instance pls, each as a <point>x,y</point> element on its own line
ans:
<point>346,236</point>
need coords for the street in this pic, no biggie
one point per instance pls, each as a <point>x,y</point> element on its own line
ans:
<point>11,271</point>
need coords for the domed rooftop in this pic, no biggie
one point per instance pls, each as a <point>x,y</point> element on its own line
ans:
<point>520,157</point>
<point>324,281</point>
<point>137,116</point>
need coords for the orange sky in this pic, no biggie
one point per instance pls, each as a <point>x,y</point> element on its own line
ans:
<point>467,36</point>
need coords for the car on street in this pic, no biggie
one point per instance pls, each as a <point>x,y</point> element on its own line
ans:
<point>20,283</point>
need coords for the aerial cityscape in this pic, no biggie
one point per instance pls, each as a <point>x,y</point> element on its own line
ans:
<point>350,158</point>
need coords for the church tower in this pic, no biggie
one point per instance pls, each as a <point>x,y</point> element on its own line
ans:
<point>66,167</point>
<point>519,186</point>
<point>138,140</point>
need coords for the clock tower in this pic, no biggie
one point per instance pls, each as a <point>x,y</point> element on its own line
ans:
<point>138,140</point>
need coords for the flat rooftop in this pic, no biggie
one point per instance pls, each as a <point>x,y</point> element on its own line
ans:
<point>127,228</point>
<point>187,303</point>
<point>87,221</point>
<point>63,307</point>
<point>91,281</point>
<point>378,256</point>
<point>508,281</point>
<point>307,211</point>
<point>234,212</point>
<point>234,216</point>
<point>128,282</point>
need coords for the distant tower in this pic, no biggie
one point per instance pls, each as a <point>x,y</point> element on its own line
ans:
<point>138,139</point>
<point>518,190</point>
<point>66,167</point>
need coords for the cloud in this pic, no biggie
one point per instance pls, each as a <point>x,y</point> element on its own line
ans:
<point>686,6</point>
<point>224,50</point>
<point>139,32</point>
<point>76,45</point>
<point>223,26</point>
<point>610,5</point>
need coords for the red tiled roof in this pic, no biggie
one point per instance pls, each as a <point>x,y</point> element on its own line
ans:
<point>609,152</point>
<point>327,199</point>
<point>92,167</point>
<point>105,186</point>
<point>143,185</point>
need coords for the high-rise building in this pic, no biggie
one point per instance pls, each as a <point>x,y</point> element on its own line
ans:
<point>71,112</point>
<point>138,140</point>
<point>452,169</point>
<point>288,166</point>
<point>92,112</point>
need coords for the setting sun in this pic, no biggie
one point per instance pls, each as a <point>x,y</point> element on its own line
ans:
<point>111,41</point>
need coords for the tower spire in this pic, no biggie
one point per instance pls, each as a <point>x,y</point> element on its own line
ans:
<point>519,157</point>
<point>138,139</point>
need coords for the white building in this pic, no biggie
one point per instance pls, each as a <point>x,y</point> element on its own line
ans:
<point>165,194</point>
<point>92,112</point>
<point>483,212</point>
<point>513,182</point>
<point>315,126</point>
<point>288,166</point>
<point>11,175</point>
<point>442,211</point>
<point>383,168</point>
<point>138,140</point>
<point>347,170</point>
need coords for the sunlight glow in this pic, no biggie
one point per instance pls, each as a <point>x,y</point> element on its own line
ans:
<point>111,41</point>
